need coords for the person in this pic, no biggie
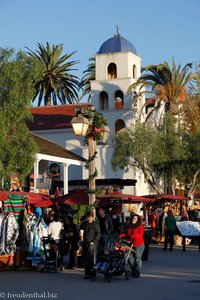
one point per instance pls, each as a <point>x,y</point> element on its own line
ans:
<point>55,228</point>
<point>15,188</point>
<point>170,226</point>
<point>135,232</point>
<point>71,237</point>
<point>106,228</point>
<point>91,235</point>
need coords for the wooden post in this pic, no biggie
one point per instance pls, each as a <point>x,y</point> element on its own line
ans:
<point>92,182</point>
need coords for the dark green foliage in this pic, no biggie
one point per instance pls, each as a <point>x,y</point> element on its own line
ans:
<point>17,148</point>
<point>54,80</point>
<point>169,152</point>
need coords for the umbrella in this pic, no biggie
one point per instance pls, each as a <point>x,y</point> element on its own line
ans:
<point>167,197</point>
<point>38,200</point>
<point>126,198</point>
<point>79,197</point>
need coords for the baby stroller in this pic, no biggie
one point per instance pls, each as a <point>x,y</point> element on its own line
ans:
<point>114,261</point>
<point>51,254</point>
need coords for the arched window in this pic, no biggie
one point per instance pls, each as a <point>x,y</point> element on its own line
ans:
<point>119,100</point>
<point>112,71</point>
<point>134,72</point>
<point>103,101</point>
<point>119,125</point>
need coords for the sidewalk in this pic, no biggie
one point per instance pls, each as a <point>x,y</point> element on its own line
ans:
<point>165,276</point>
<point>172,275</point>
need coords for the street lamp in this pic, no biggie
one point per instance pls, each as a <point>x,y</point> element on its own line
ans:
<point>92,125</point>
<point>80,125</point>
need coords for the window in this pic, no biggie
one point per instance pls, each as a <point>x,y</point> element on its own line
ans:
<point>119,100</point>
<point>119,125</point>
<point>134,72</point>
<point>103,101</point>
<point>112,71</point>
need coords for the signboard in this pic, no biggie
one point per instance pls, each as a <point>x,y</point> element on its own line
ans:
<point>189,228</point>
<point>43,183</point>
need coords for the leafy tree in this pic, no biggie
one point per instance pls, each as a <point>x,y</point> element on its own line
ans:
<point>192,107</point>
<point>191,165</point>
<point>54,81</point>
<point>167,85</point>
<point>87,78</point>
<point>17,147</point>
<point>171,152</point>
<point>133,149</point>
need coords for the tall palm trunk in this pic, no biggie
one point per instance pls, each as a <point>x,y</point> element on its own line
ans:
<point>47,99</point>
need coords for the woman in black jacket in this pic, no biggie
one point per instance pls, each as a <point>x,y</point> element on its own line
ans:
<point>71,237</point>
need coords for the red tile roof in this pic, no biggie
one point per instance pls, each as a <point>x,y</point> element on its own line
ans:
<point>53,117</point>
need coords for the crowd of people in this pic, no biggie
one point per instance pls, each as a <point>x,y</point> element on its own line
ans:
<point>93,236</point>
<point>84,243</point>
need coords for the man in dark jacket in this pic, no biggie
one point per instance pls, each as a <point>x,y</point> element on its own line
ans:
<point>91,237</point>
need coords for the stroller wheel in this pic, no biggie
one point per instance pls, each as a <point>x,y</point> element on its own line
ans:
<point>128,274</point>
<point>93,274</point>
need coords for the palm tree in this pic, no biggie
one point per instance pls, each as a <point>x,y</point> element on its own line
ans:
<point>54,80</point>
<point>167,86</point>
<point>85,84</point>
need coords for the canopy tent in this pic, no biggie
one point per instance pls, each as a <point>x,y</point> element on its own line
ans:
<point>38,200</point>
<point>118,197</point>
<point>79,197</point>
<point>167,197</point>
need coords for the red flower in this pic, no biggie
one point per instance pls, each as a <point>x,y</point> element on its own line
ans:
<point>97,129</point>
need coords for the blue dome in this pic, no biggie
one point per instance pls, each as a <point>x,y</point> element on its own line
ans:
<point>117,44</point>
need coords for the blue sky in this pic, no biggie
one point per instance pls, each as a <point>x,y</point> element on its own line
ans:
<point>159,29</point>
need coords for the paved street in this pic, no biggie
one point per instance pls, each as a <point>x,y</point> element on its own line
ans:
<point>166,276</point>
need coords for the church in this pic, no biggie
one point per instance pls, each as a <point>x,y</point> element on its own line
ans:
<point>117,66</point>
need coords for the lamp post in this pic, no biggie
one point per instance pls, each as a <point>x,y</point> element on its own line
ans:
<point>92,125</point>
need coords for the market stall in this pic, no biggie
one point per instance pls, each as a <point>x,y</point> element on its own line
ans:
<point>21,225</point>
<point>162,203</point>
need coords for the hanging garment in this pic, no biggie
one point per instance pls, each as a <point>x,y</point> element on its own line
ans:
<point>15,205</point>
<point>29,222</point>
<point>9,231</point>
<point>42,231</point>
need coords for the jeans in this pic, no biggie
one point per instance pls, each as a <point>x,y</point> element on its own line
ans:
<point>135,260</point>
<point>89,252</point>
<point>103,242</point>
<point>169,238</point>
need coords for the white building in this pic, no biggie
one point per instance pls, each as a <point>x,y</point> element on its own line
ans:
<point>117,67</point>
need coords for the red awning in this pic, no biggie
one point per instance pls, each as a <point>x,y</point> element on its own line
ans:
<point>38,200</point>
<point>167,197</point>
<point>79,197</point>
<point>126,198</point>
